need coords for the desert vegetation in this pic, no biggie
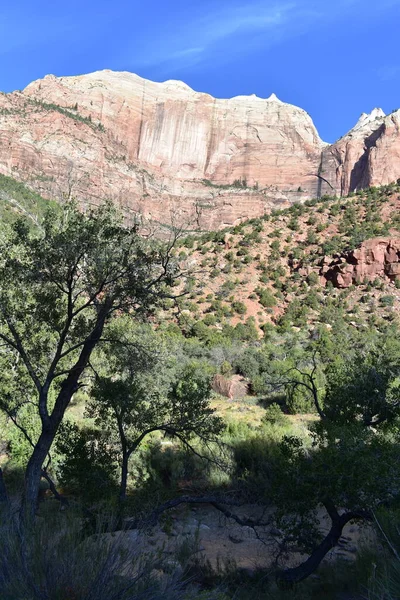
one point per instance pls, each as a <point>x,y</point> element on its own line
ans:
<point>158,392</point>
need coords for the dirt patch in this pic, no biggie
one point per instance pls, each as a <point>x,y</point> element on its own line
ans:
<point>219,540</point>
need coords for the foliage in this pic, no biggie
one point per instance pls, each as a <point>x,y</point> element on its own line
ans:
<point>152,392</point>
<point>59,286</point>
<point>367,389</point>
<point>36,564</point>
<point>87,462</point>
<point>362,473</point>
<point>146,420</point>
<point>274,415</point>
<point>70,113</point>
<point>16,200</point>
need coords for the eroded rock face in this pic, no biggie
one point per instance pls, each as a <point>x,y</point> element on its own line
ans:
<point>158,148</point>
<point>369,155</point>
<point>173,154</point>
<point>379,257</point>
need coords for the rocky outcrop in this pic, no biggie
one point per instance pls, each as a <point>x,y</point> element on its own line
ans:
<point>173,154</point>
<point>379,257</point>
<point>160,149</point>
<point>233,388</point>
<point>369,155</point>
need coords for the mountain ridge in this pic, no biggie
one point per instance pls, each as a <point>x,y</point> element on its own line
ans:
<point>170,153</point>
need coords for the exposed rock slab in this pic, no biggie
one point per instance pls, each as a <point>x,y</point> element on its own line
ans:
<point>369,155</point>
<point>158,148</point>
<point>378,257</point>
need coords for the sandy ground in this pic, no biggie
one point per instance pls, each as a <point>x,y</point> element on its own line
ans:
<point>215,539</point>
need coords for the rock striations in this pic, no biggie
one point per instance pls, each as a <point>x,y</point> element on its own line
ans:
<point>366,156</point>
<point>170,153</point>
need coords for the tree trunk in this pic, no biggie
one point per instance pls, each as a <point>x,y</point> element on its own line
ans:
<point>124,476</point>
<point>294,575</point>
<point>49,430</point>
<point>3,490</point>
<point>33,472</point>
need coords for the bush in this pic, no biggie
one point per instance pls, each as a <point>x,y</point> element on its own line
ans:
<point>266,297</point>
<point>54,562</point>
<point>88,464</point>
<point>169,465</point>
<point>275,416</point>
<point>253,458</point>
<point>387,300</point>
<point>299,401</point>
<point>312,279</point>
<point>239,307</point>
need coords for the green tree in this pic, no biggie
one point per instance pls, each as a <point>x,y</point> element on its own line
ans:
<point>59,287</point>
<point>152,391</point>
<point>366,390</point>
<point>348,472</point>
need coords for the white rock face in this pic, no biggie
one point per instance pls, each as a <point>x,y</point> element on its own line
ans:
<point>163,148</point>
<point>189,135</point>
<point>274,98</point>
<point>366,118</point>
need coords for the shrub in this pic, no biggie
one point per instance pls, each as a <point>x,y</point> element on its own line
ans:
<point>52,562</point>
<point>275,416</point>
<point>88,464</point>
<point>299,401</point>
<point>239,307</point>
<point>312,278</point>
<point>311,238</point>
<point>387,300</point>
<point>266,297</point>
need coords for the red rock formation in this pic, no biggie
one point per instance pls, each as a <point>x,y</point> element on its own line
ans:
<point>379,257</point>
<point>158,148</point>
<point>170,153</point>
<point>233,388</point>
<point>369,155</point>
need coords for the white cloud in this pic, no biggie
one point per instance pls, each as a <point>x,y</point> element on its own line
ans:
<point>245,18</point>
<point>202,33</point>
<point>220,30</point>
<point>188,52</point>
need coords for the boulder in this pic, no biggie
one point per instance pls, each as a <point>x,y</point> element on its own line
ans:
<point>378,257</point>
<point>233,388</point>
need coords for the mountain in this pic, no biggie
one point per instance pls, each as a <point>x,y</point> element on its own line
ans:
<point>368,155</point>
<point>176,155</point>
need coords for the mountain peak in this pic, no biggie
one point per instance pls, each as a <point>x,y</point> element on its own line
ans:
<point>365,118</point>
<point>274,98</point>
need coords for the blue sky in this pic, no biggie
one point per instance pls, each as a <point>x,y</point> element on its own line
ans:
<point>334,58</point>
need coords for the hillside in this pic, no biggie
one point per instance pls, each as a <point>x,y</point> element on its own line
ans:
<point>286,269</point>
<point>281,270</point>
<point>17,200</point>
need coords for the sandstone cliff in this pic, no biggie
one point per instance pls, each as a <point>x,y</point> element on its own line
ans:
<point>170,153</point>
<point>158,148</point>
<point>369,155</point>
